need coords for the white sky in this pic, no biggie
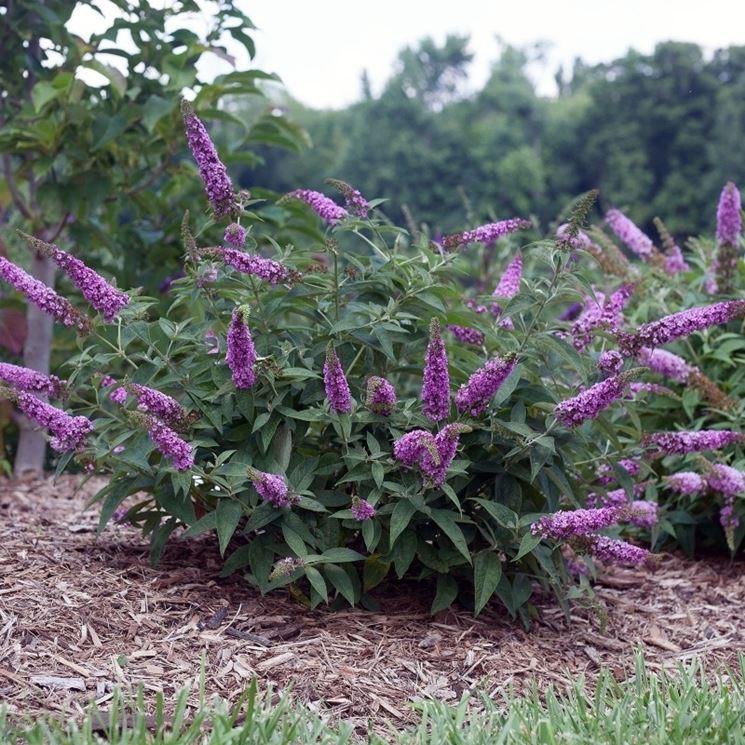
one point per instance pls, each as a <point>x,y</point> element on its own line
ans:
<point>320,48</point>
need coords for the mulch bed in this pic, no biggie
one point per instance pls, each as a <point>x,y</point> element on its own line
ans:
<point>81,614</point>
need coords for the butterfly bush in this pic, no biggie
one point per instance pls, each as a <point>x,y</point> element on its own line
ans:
<point>230,408</point>
<point>32,381</point>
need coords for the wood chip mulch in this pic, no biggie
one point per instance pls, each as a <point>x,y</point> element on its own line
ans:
<point>81,614</point>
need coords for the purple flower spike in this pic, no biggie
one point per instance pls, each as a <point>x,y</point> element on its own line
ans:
<point>419,449</point>
<point>381,396</point>
<point>102,296</point>
<point>271,487</point>
<point>485,233</point>
<point>509,283</point>
<point>681,324</point>
<point>580,241</point>
<point>726,480</point>
<point>214,174</point>
<point>25,379</point>
<point>686,483</point>
<point>235,235</point>
<point>178,451</point>
<point>682,443</point>
<point>158,404</point>
<point>587,405</point>
<point>600,312</point>
<point>241,356</point>
<point>674,261</point>
<point>362,510</point>
<point>436,379</point>
<point>729,220</point>
<point>43,297</point>
<point>665,363</point>
<point>640,243</point>
<point>68,432</point>
<point>324,207</point>
<point>267,269</point>
<point>337,388</point>
<point>610,361</point>
<point>474,396</point>
<point>571,312</point>
<point>566,524</point>
<point>466,334</point>
<point>641,513</point>
<point>613,551</point>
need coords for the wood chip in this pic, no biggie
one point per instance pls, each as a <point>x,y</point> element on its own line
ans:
<point>54,681</point>
<point>280,659</point>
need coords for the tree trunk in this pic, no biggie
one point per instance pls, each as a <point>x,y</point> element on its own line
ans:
<point>37,352</point>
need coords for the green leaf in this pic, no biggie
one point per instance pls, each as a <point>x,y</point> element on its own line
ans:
<point>340,555</point>
<point>403,552</point>
<point>204,524</point>
<point>294,541</point>
<point>155,108</point>
<point>317,582</point>
<point>228,515</point>
<point>400,518</point>
<point>503,516</point>
<point>446,522</point>
<point>341,581</point>
<point>487,571</point>
<point>527,544</point>
<point>447,591</point>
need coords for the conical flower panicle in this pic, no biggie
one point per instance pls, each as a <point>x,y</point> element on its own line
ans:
<point>381,396</point>
<point>271,487</point>
<point>729,228</point>
<point>168,442</point>
<point>214,174</point>
<point>488,233</point>
<point>589,403</point>
<point>25,379</point>
<point>325,208</point>
<point>474,396</point>
<point>43,297</point>
<point>241,355</point>
<point>436,378</point>
<point>337,389</point>
<point>102,296</point>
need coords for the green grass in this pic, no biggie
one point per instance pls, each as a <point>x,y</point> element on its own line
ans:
<point>652,709</point>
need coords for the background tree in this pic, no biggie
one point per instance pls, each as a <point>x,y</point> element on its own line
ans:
<point>95,160</point>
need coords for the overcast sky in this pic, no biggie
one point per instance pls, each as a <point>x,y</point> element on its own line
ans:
<point>320,48</point>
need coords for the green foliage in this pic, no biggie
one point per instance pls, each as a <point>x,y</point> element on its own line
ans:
<point>656,133</point>
<point>711,398</point>
<point>370,292</point>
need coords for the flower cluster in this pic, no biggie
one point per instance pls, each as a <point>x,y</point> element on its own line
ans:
<point>324,207</point>
<point>682,443</point>
<point>615,551</point>
<point>681,324</point>
<point>589,403</point>
<point>436,378</point>
<point>267,269</point>
<point>235,235</point>
<point>106,299</point>
<point>579,241</point>
<point>362,510</point>
<point>466,334</point>
<point>337,388</point>
<point>686,483</point>
<point>729,219</point>
<point>509,283</point>
<point>24,379</point>
<point>566,524</point>
<point>674,261</point>
<point>665,363</point>
<point>380,396</point>
<point>212,170</point>
<point>485,233</point>
<point>68,432</point>
<point>271,488</point>
<point>241,355</point>
<point>474,396</point>
<point>605,473</point>
<point>600,312</point>
<point>640,243</point>
<point>177,450</point>
<point>610,361</point>
<point>726,480</point>
<point>431,454</point>
<point>158,404</point>
<point>43,297</point>
<point>356,203</point>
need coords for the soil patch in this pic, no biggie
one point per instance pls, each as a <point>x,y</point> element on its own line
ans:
<point>81,613</point>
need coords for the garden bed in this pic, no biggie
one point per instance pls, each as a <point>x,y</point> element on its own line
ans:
<point>92,613</point>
